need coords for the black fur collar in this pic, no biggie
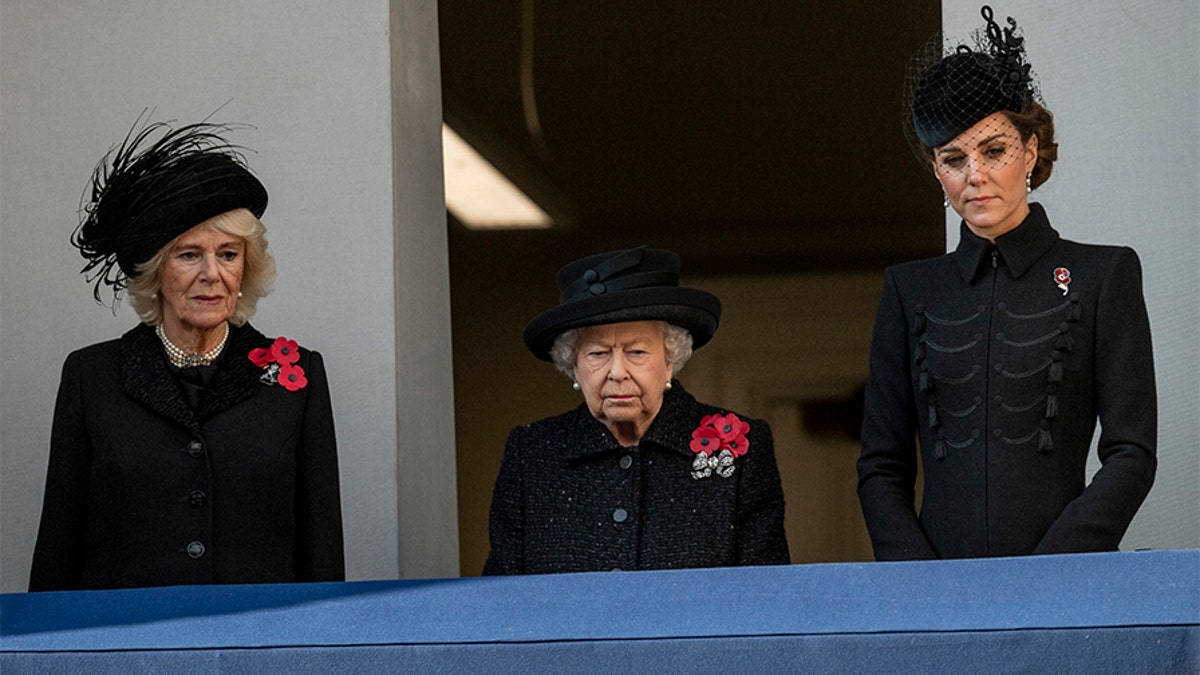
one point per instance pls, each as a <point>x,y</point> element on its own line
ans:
<point>146,377</point>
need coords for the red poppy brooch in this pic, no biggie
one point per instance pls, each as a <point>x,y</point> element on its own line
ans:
<point>718,441</point>
<point>1062,277</point>
<point>279,364</point>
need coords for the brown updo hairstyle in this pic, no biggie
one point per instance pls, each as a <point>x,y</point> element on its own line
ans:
<point>1035,120</point>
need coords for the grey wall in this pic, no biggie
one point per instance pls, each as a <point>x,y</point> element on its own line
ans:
<point>1123,79</point>
<point>346,98</point>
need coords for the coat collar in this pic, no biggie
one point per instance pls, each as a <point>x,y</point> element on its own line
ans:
<point>146,377</point>
<point>1019,247</point>
<point>671,429</point>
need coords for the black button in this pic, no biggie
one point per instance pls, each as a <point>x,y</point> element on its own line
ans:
<point>197,499</point>
<point>626,462</point>
<point>999,337</point>
<point>195,448</point>
<point>997,433</point>
<point>195,550</point>
<point>620,515</point>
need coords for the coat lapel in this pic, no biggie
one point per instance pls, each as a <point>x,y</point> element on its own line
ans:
<point>237,380</point>
<point>588,436</point>
<point>146,377</point>
<point>671,429</point>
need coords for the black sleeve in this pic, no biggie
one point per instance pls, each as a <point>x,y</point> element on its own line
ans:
<point>761,536</point>
<point>58,554</point>
<point>1096,520</point>
<point>319,549</point>
<point>887,467</point>
<point>506,523</point>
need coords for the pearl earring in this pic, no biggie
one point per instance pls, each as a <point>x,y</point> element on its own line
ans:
<point>575,386</point>
<point>239,294</point>
<point>668,384</point>
<point>1028,183</point>
<point>945,201</point>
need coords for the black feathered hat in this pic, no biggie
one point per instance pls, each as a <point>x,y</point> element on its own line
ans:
<point>145,193</point>
<point>946,94</point>
<point>639,284</point>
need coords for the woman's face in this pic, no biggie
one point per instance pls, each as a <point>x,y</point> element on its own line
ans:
<point>622,371</point>
<point>983,172</point>
<point>201,275</point>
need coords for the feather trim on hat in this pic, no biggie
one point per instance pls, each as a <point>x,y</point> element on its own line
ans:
<point>146,192</point>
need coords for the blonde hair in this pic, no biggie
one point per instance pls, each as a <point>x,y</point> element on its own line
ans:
<point>677,345</point>
<point>258,269</point>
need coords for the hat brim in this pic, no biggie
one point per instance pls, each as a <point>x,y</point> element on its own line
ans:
<point>697,311</point>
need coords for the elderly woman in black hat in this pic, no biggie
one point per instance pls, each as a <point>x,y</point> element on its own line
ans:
<point>192,450</point>
<point>1001,356</point>
<point>640,475</point>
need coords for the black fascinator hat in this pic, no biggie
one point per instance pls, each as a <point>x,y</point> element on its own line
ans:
<point>947,93</point>
<point>639,284</point>
<point>146,192</point>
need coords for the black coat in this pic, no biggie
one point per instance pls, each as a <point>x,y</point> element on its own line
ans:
<point>143,491</point>
<point>1002,373</point>
<point>569,498</point>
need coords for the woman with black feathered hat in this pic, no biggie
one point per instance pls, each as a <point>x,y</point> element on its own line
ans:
<point>192,450</point>
<point>1001,356</point>
<point>641,475</point>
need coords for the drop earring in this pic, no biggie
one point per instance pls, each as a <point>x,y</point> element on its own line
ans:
<point>945,201</point>
<point>1028,183</point>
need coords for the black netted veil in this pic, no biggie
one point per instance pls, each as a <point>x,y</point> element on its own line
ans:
<point>949,87</point>
<point>145,192</point>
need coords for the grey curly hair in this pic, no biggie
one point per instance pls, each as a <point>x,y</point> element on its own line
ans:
<point>677,342</point>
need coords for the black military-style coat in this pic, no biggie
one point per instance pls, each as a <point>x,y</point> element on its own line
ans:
<point>1001,358</point>
<point>143,491</point>
<point>569,498</point>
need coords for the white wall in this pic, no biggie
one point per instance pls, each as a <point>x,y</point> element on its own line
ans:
<point>360,245</point>
<point>1123,80</point>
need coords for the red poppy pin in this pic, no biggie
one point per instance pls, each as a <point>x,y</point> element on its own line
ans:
<point>718,441</point>
<point>279,364</point>
<point>1062,277</point>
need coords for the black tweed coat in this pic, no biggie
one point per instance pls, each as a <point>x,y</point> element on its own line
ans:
<point>569,498</point>
<point>143,491</point>
<point>1000,359</point>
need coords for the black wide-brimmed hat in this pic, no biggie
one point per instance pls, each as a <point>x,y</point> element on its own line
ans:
<point>948,93</point>
<point>639,284</point>
<point>145,193</point>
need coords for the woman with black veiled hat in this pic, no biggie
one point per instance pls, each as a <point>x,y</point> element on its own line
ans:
<point>192,450</point>
<point>641,475</point>
<point>1001,356</point>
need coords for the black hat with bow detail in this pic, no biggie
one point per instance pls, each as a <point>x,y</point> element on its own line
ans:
<point>639,284</point>
<point>947,93</point>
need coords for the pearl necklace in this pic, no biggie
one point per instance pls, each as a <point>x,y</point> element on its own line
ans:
<point>181,359</point>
